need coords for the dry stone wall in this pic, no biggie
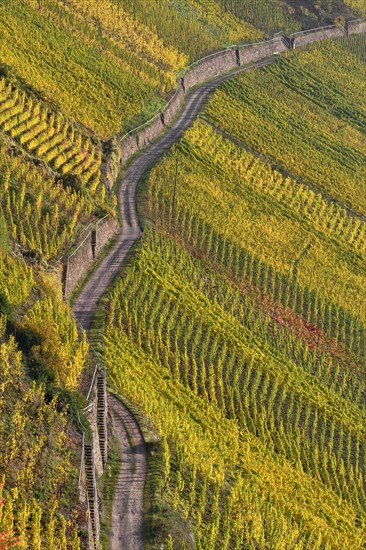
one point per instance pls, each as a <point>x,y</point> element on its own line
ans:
<point>308,37</point>
<point>221,62</point>
<point>175,104</point>
<point>204,69</point>
<point>210,67</point>
<point>78,263</point>
<point>128,147</point>
<point>356,27</point>
<point>103,233</point>
<point>252,53</point>
<point>149,133</point>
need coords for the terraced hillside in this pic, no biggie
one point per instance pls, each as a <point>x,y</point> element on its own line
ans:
<point>105,67</point>
<point>228,344</point>
<point>307,115</point>
<point>41,362</point>
<point>239,327</point>
<point>48,135</point>
<point>69,78</point>
<point>111,68</point>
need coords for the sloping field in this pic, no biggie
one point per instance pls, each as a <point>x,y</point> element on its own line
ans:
<point>39,450</point>
<point>239,327</point>
<point>264,442</point>
<point>103,66</point>
<point>307,115</point>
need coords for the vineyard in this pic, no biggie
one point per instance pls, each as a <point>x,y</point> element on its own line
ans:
<point>294,112</point>
<point>359,6</point>
<point>239,327</point>
<point>49,188</point>
<point>356,45</point>
<point>291,243</point>
<point>114,67</point>
<point>265,14</point>
<point>42,212</point>
<point>68,70</point>
<point>222,381</point>
<point>32,436</point>
<point>40,353</point>
<point>48,136</point>
<point>193,29</point>
<point>109,65</point>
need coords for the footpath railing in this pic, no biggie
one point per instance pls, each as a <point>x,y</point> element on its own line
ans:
<point>181,74</point>
<point>79,261</point>
<point>233,56</point>
<point>227,59</point>
<point>89,469</point>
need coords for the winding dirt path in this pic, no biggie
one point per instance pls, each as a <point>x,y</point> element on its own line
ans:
<point>85,304</point>
<point>127,507</point>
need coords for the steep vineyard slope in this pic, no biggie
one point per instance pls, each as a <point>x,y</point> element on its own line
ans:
<point>88,298</point>
<point>55,55</point>
<point>41,361</point>
<point>74,73</point>
<point>104,66</point>
<point>239,327</point>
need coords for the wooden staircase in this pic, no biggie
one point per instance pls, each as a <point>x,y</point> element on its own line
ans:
<point>102,415</point>
<point>95,462</point>
<point>92,496</point>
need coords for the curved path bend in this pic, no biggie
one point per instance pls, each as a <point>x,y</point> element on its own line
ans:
<point>127,507</point>
<point>86,302</point>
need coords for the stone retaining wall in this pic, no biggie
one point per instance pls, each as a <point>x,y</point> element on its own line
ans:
<point>174,105</point>
<point>355,27</point>
<point>205,69</point>
<point>104,232</point>
<point>78,263</point>
<point>308,37</point>
<point>149,133</point>
<point>128,148</point>
<point>222,62</point>
<point>249,54</point>
<point>210,67</point>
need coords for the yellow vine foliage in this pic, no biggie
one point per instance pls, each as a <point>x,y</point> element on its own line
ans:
<point>229,189</point>
<point>131,34</point>
<point>36,206</point>
<point>223,22</point>
<point>59,349</point>
<point>34,457</point>
<point>16,278</point>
